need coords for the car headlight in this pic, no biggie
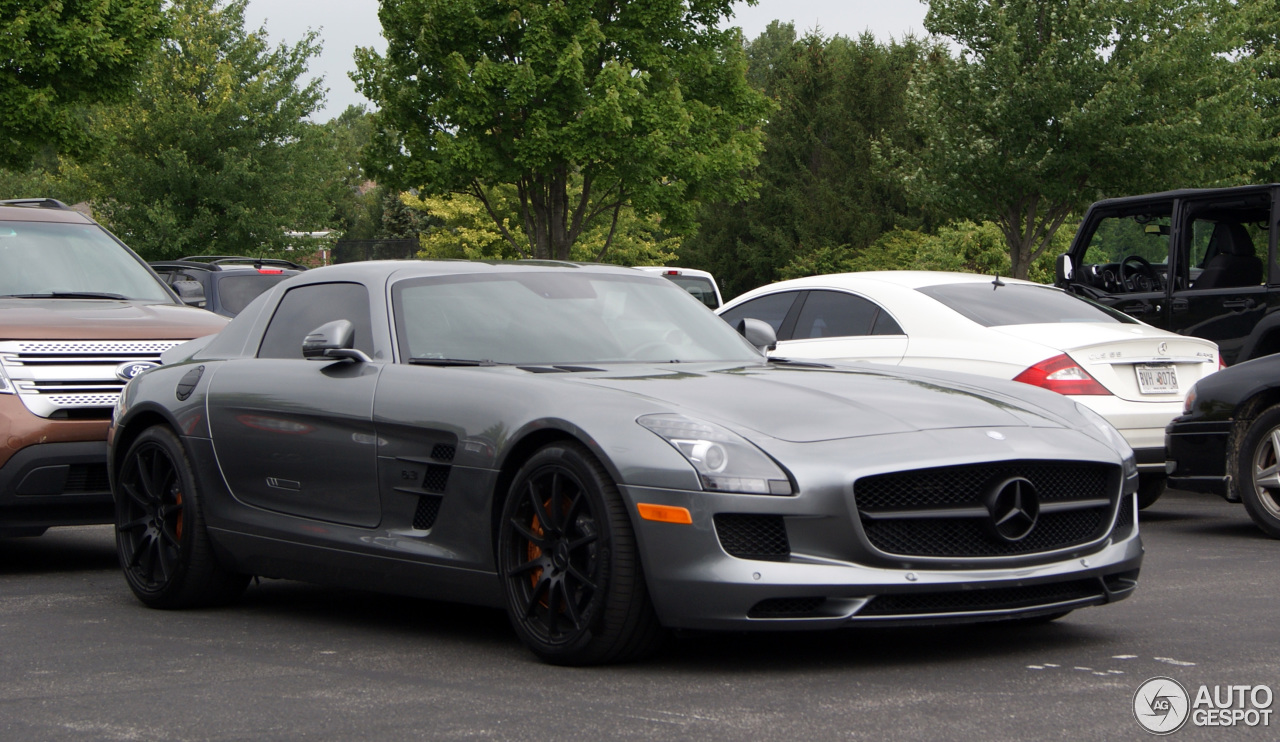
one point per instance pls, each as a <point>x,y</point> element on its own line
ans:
<point>1107,433</point>
<point>1189,401</point>
<point>725,461</point>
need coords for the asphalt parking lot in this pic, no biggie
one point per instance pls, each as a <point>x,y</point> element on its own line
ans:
<point>81,659</point>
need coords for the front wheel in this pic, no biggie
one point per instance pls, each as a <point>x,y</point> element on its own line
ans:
<point>1257,457</point>
<point>570,568</point>
<point>160,532</point>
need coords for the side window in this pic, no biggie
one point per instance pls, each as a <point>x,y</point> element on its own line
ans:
<point>772,309</point>
<point>1228,249</point>
<point>307,307</point>
<point>886,325</point>
<point>1130,253</point>
<point>829,314</point>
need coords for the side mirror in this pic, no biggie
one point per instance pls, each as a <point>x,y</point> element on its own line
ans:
<point>190,292</point>
<point>759,333</point>
<point>1063,270</point>
<point>333,341</point>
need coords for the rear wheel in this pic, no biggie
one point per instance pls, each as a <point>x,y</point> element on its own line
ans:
<point>1150,488</point>
<point>571,573</point>
<point>160,532</point>
<point>1257,458</point>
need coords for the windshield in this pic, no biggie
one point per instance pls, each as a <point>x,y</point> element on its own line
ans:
<point>1020,304</point>
<point>56,258</point>
<point>559,317</point>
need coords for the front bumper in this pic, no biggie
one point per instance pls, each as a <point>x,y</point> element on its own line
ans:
<point>55,484</point>
<point>829,573</point>
<point>1197,456</point>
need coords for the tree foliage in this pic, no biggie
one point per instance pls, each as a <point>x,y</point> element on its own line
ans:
<point>213,153</point>
<point>641,104</point>
<point>818,190</point>
<point>461,228</point>
<point>59,57</point>
<point>1052,104</point>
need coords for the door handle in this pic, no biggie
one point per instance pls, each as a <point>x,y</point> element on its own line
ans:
<point>1245,303</point>
<point>1179,305</point>
<point>1135,309</point>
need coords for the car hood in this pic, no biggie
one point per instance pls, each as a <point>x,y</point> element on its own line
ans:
<point>801,404</point>
<point>89,319</point>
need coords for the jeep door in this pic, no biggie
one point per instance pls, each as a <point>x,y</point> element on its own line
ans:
<point>1225,249</point>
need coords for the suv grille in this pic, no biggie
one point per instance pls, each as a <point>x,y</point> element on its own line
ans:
<point>944,512</point>
<point>53,376</point>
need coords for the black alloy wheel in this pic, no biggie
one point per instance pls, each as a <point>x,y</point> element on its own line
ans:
<point>161,539</point>
<point>571,571</point>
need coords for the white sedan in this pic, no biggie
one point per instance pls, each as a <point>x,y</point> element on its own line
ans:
<point>1132,374</point>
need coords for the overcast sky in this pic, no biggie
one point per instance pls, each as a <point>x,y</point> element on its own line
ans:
<point>345,24</point>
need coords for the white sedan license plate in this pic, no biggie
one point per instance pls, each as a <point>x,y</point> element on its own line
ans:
<point>1161,379</point>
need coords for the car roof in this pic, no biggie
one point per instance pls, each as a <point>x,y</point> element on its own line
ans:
<point>375,270</point>
<point>867,280</point>
<point>40,210</point>
<point>1182,193</point>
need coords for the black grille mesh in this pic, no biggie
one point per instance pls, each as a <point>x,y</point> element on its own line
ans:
<point>425,515</point>
<point>963,601</point>
<point>968,537</point>
<point>750,536</point>
<point>887,500</point>
<point>1124,519</point>
<point>964,485</point>
<point>787,608</point>
<point>443,452</point>
<point>436,478</point>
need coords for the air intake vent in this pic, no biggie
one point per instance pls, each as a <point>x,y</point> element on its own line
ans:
<point>991,599</point>
<point>425,515</point>
<point>750,536</point>
<point>787,608</point>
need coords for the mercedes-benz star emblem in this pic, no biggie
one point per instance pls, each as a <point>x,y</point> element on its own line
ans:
<point>1162,349</point>
<point>1014,508</point>
<point>127,371</point>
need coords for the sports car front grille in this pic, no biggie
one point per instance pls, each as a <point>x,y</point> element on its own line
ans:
<point>751,536</point>
<point>946,512</point>
<point>990,599</point>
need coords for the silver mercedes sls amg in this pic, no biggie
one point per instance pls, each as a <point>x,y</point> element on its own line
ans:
<point>591,449</point>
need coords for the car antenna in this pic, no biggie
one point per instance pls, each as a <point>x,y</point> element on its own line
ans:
<point>997,283</point>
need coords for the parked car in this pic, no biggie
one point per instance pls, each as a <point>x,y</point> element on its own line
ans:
<point>699,283</point>
<point>1228,437</point>
<point>80,314</point>
<point>229,282</point>
<point>1132,374</point>
<point>1195,262</point>
<point>590,448</point>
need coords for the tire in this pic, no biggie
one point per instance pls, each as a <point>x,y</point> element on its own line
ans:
<point>1258,471</point>
<point>1150,488</point>
<point>161,537</point>
<point>570,568</point>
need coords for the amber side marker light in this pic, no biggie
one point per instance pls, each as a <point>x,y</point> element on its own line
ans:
<point>664,513</point>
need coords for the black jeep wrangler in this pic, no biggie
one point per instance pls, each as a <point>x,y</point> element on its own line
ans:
<point>1197,262</point>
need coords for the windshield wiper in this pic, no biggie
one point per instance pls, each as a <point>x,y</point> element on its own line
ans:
<point>67,295</point>
<point>804,364</point>
<point>452,362</point>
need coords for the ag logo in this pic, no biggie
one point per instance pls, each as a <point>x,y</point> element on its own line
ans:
<point>127,371</point>
<point>1161,705</point>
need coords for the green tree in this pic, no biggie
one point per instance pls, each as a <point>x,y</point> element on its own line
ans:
<point>213,153</point>
<point>818,192</point>
<point>1054,103</point>
<point>644,104</point>
<point>58,58</point>
<point>462,228</point>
